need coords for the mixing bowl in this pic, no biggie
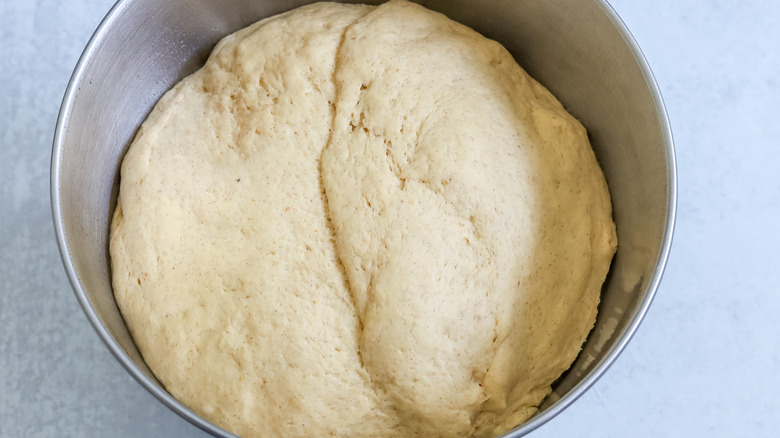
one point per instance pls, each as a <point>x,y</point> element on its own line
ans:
<point>579,49</point>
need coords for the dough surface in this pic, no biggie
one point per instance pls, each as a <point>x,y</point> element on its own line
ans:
<point>360,221</point>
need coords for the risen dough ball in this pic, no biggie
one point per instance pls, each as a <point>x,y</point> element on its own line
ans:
<point>360,221</point>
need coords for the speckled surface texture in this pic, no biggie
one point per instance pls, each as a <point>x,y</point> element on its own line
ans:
<point>704,362</point>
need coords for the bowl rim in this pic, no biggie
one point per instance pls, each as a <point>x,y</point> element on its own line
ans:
<point>168,400</point>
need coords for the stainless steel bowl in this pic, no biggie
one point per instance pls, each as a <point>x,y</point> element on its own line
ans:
<point>579,49</point>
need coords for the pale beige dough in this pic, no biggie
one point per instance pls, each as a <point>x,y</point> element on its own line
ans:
<point>360,221</point>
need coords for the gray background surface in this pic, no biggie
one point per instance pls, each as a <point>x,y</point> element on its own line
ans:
<point>704,363</point>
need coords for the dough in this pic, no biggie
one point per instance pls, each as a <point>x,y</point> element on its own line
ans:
<point>360,221</point>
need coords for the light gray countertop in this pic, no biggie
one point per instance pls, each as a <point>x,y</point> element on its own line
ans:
<point>704,362</point>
